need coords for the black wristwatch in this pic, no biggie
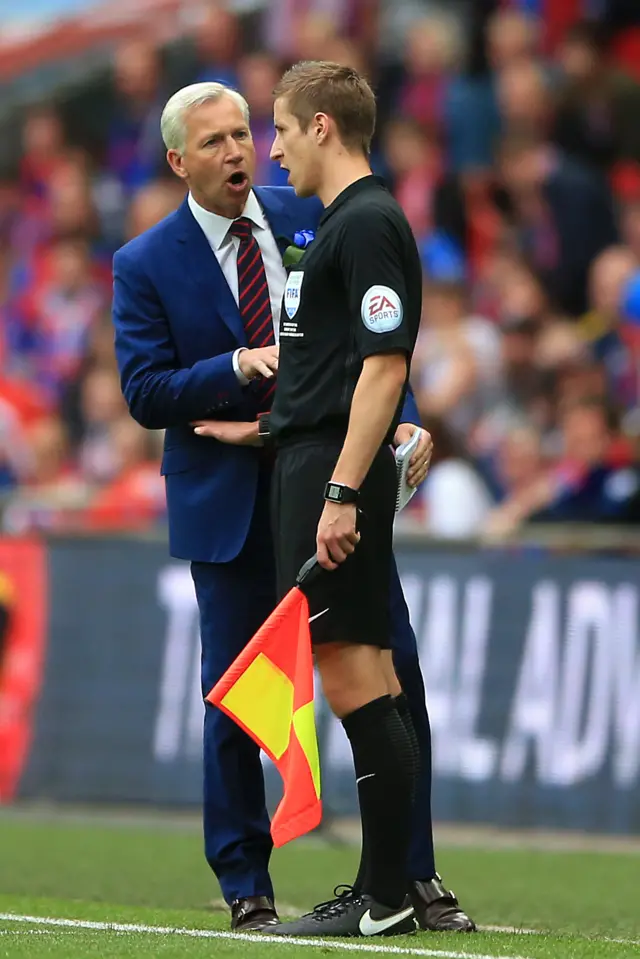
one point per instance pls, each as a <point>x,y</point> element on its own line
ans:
<point>340,493</point>
<point>264,430</point>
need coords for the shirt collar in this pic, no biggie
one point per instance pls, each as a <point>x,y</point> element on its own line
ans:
<point>358,186</point>
<point>216,227</point>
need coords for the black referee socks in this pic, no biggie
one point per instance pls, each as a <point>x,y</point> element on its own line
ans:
<point>402,705</point>
<point>383,761</point>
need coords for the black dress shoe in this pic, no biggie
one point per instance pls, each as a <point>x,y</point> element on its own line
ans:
<point>253,913</point>
<point>437,909</point>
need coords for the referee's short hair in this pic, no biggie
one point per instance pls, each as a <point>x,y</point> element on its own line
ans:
<point>318,86</point>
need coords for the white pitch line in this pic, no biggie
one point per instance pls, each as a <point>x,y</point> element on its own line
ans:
<point>26,932</point>
<point>520,931</point>
<point>245,937</point>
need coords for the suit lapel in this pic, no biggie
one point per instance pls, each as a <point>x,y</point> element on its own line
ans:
<point>279,219</point>
<point>204,273</point>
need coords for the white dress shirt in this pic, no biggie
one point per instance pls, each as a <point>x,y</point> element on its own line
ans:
<point>225,248</point>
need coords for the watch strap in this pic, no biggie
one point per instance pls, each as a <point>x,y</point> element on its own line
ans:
<point>264,429</point>
<point>340,493</point>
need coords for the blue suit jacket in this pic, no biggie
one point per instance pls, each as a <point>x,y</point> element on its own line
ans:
<point>177,326</point>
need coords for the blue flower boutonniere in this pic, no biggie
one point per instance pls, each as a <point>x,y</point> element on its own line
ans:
<point>296,250</point>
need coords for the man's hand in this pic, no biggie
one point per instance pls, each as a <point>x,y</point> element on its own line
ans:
<point>262,362</point>
<point>337,537</point>
<point>237,434</point>
<point>419,463</point>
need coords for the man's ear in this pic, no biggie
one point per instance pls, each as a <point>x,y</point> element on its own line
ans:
<point>322,125</point>
<point>176,162</point>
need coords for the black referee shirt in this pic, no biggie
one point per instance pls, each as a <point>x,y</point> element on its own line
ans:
<point>356,292</point>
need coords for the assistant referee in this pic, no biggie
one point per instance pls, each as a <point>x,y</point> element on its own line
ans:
<point>350,318</point>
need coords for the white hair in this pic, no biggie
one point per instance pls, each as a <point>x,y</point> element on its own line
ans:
<point>172,122</point>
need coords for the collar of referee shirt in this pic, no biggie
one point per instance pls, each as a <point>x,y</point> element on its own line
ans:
<point>358,186</point>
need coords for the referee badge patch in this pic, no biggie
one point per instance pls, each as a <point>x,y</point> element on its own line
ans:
<point>292,292</point>
<point>381,309</point>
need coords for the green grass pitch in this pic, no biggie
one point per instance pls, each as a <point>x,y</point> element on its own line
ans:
<point>576,904</point>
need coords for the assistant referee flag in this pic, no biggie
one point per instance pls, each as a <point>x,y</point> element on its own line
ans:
<point>268,692</point>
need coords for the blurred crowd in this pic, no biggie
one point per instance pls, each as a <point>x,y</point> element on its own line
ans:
<point>517,162</point>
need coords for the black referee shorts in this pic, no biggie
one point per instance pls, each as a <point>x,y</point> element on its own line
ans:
<point>351,603</point>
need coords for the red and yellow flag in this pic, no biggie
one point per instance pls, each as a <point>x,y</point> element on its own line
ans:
<point>268,691</point>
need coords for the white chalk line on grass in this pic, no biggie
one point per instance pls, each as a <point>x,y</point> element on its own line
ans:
<point>71,924</point>
<point>26,932</point>
<point>292,912</point>
<point>245,937</point>
<point>520,931</point>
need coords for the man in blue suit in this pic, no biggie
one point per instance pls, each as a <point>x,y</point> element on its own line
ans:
<point>196,308</point>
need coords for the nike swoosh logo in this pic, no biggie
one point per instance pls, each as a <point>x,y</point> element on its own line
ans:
<point>368,776</point>
<point>318,615</point>
<point>375,927</point>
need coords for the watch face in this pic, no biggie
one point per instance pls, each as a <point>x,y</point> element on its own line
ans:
<point>334,492</point>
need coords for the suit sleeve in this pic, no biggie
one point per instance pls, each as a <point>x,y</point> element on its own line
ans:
<point>158,392</point>
<point>409,412</point>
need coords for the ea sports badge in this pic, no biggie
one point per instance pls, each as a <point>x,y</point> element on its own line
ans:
<point>292,292</point>
<point>381,309</point>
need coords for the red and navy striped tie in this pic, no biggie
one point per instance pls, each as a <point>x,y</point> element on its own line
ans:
<point>254,303</point>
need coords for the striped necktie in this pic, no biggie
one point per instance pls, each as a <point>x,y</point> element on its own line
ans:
<point>254,302</point>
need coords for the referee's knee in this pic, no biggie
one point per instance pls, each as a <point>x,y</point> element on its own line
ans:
<point>352,675</point>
